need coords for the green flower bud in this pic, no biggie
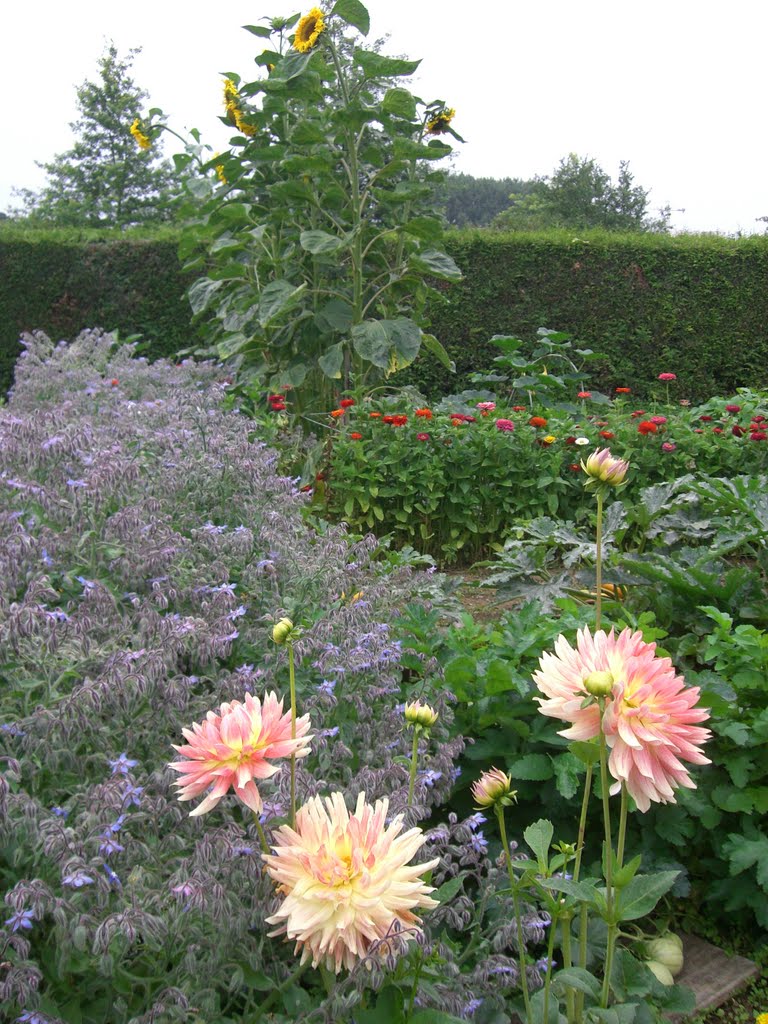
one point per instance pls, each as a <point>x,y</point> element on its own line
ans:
<point>599,684</point>
<point>417,713</point>
<point>281,632</point>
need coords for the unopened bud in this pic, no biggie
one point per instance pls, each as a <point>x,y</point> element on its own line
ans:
<point>282,630</point>
<point>599,684</point>
<point>603,468</point>
<point>417,713</point>
<point>492,788</point>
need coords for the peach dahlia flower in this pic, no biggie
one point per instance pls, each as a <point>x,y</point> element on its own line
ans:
<point>649,719</point>
<point>233,747</point>
<point>346,879</point>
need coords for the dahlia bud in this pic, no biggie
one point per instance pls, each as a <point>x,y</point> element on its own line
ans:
<point>493,788</point>
<point>599,684</point>
<point>602,468</point>
<point>420,714</point>
<point>281,632</point>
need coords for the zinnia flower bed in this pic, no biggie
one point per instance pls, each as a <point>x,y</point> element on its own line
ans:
<point>452,481</point>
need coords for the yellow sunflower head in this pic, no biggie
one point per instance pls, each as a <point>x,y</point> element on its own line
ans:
<point>231,95</point>
<point>143,141</point>
<point>440,121</point>
<point>308,30</point>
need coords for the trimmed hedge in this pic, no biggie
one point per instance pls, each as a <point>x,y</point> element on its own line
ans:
<point>694,305</point>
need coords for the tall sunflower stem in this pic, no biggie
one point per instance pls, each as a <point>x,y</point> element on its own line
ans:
<point>292,683</point>
<point>518,916</point>
<point>414,763</point>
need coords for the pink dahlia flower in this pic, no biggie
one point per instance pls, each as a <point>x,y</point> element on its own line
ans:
<point>233,747</point>
<point>346,879</point>
<point>649,720</point>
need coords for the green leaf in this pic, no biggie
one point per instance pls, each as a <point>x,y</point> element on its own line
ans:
<point>429,229</point>
<point>375,65</point>
<point>437,264</point>
<point>400,103</point>
<point>567,774</point>
<point>532,768</point>
<point>388,1008</point>
<point>201,292</point>
<point>584,891</point>
<point>317,242</point>
<point>498,677</point>
<point>276,298</point>
<point>448,890</point>
<point>587,752</point>
<point>331,361</point>
<point>258,30</point>
<point>458,672</point>
<point>405,339</point>
<point>623,1014</point>
<point>743,853</point>
<point>643,893</point>
<point>353,12</point>
<point>232,345</point>
<point>432,345</point>
<point>292,65</point>
<point>371,341</point>
<point>335,315</point>
<point>578,978</point>
<point>539,838</point>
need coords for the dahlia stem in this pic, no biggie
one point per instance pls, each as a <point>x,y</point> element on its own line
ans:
<point>599,561</point>
<point>583,915</point>
<point>570,1002</point>
<point>289,981</point>
<point>608,857</point>
<point>260,830</point>
<point>414,762</point>
<point>518,918</point>
<point>622,825</point>
<point>292,680</point>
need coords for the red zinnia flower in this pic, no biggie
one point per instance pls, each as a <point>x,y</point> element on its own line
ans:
<point>278,407</point>
<point>424,414</point>
<point>537,421</point>
<point>336,413</point>
<point>584,394</point>
<point>646,427</point>
<point>114,382</point>
<point>607,434</point>
<point>758,435</point>
<point>737,431</point>
<point>667,376</point>
<point>345,403</point>
<point>759,419</point>
<point>575,467</point>
<point>399,420</point>
<point>570,439</point>
<point>375,415</point>
<point>733,408</point>
<point>637,413</point>
<point>623,391</point>
<point>356,437</point>
<point>422,437</point>
<point>717,430</point>
<point>705,419</point>
<point>518,408</point>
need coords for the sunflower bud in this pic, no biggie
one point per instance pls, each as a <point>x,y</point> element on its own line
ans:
<point>599,684</point>
<point>420,714</point>
<point>281,632</point>
<point>493,788</point>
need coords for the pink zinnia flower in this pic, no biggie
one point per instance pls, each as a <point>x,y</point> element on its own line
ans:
<point>486,407</point>
<point>505,425</point>
<point>669,446</point>
<point>422,437</point>
<point>667,376</point>
<point>648,720</point>
<point>658,420</point>
<point>733,408</point>
<point>233,747</point>
<point>346,879</point>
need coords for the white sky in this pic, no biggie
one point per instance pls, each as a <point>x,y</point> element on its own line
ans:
<point>677,87</point>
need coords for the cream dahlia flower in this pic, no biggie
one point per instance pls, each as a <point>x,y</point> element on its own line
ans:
<point>649,716</point>
<point>234,746</point>
<point>346,879</point>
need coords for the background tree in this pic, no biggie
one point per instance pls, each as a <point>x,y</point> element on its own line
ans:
<point>106,179</point>
<point>467,201</point>
<point>581,195</point>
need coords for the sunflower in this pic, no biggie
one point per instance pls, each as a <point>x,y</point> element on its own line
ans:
<point>308,31</point>
<point>144,141</point>
<point>440,121</point>
<point>234,111</point>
